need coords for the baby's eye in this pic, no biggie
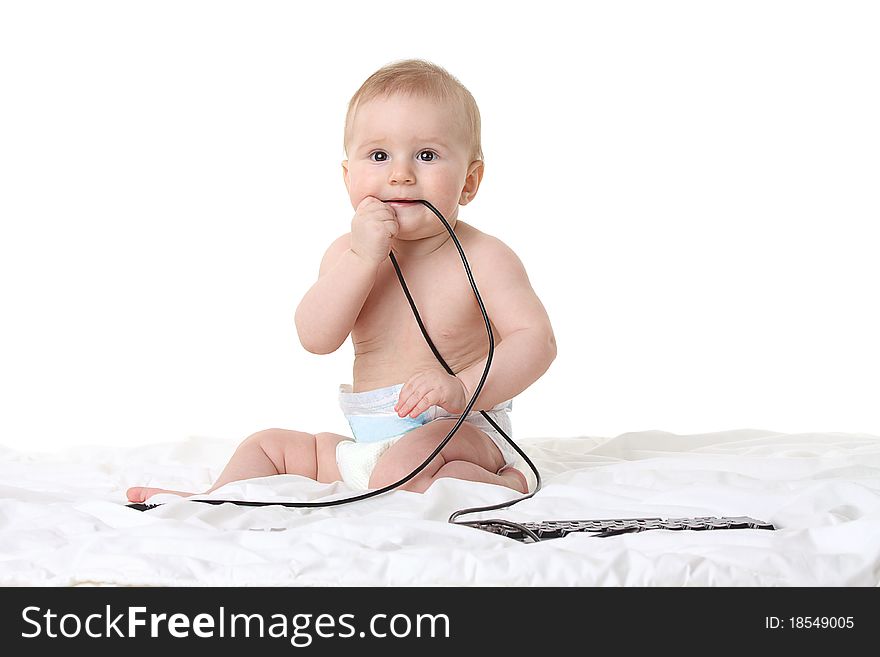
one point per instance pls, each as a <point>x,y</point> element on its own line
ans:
<point>430,159</point>
<point>381,159</point>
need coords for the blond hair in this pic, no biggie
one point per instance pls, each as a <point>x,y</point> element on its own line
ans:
<point>418,77</point>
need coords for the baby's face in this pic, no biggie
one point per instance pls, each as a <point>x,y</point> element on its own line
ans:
<point>410,147</point>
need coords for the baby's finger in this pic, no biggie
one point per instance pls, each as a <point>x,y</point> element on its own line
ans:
<point>368,201</point>
<point>423,405</point>
<point>410,407</point>
<point>408,389</point>
<point>402,396</point>
<point>406,404</point>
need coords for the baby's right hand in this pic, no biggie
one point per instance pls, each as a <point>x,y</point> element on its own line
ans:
<point>372,229</point>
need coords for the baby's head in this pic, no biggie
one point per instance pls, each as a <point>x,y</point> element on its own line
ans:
<point>413,131</point>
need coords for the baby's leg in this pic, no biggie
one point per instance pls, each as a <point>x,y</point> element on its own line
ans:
<point>265,453</point>
<point>507,476</point>
<point>470,455</point>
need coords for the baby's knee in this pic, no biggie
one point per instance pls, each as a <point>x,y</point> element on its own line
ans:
<point>291,452</point>
<point>390,471</point>
<point>456,469</point>
<point>272,438</point>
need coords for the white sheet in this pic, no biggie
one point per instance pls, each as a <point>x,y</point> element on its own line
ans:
<point>63,520</point>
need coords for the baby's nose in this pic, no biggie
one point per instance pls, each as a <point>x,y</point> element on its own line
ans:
<point>401,175</point>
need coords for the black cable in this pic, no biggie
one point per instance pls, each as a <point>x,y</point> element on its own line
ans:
<point>451,433</point>
<point>437,355</point>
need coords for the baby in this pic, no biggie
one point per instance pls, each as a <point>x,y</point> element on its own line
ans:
<point>412,132</point>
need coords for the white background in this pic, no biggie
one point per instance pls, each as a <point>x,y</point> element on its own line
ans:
<point>692,187</point>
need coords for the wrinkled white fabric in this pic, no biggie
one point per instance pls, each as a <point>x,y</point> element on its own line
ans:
<point>63,519</point>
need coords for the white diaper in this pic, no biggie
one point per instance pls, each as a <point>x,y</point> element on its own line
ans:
<point>357,461</point>
<point>376,427</point>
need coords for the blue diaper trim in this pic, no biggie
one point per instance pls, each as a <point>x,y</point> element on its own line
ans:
<point>373,428</point>
<point>372,417</point>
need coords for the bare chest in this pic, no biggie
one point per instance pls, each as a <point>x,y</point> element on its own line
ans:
<point>389,346</point>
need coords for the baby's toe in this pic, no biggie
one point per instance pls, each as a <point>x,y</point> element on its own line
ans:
<point>137,494</point>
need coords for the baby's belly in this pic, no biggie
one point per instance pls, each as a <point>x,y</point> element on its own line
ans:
<point>380,369</point>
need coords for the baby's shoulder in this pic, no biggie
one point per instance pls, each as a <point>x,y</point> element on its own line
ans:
<point>487,247</point>
<point>495,264</point>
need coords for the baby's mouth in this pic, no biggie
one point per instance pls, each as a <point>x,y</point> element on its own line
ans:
<point>401,201</point>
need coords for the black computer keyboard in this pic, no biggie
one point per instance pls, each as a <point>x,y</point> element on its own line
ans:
<point>140,506</point>
<point>547,529</point>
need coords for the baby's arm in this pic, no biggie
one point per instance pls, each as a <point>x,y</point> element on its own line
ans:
<point>527,345</point>
<point>328,311</point>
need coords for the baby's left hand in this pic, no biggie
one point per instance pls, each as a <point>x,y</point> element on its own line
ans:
<point>431,387</point>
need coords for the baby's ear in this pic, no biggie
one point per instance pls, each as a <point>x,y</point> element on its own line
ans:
<point>472,182</point>
<point>345,172</point>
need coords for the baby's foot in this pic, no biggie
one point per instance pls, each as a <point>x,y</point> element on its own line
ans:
<point>516,479</point>
<point>142,493</point>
